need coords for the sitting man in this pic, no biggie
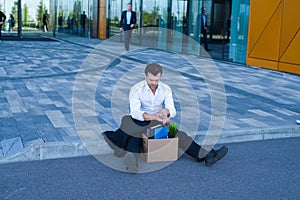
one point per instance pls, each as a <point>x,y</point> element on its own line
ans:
<point>151,103</point>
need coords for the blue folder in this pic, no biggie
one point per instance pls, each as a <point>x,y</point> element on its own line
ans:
<point>161,132</point>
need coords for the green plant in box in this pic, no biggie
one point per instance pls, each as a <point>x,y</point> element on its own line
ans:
<point>172,130</point>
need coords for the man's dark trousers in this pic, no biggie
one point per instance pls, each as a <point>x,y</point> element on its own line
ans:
<point>0,31</point>
<point>127,37</point>
<point>204,38</point>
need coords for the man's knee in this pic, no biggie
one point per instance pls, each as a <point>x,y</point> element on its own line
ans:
<point>184,140</point>
<point>126,119</point>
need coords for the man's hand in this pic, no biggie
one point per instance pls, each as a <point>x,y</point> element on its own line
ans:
<point>131,25</point>
<point>121,29</point>
<point>162,116</point>
<point>166,121</point>
<point>164,113</point>
<point>1,23</point>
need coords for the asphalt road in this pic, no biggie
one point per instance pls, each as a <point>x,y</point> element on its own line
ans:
<point>252,170</point>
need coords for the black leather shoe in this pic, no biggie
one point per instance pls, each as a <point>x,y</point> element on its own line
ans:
<point>131,163</point>
<point>215,155</point>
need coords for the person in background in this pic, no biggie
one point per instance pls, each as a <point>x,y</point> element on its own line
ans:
<point>2,20</point>
<point>69,22</point>
<point>11,22</point>
<point>204,28</point>
<point>228,28</point>
<point>45,22</point>
<point>60,22</point>
<point>83,21</point>
<point>127,23</point>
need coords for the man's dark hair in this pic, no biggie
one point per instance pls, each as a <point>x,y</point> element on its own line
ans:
<point>154,69</point>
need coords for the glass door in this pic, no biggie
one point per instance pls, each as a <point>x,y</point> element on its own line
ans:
<point>154,19</point>
<point>220,29</point>
<point>178,24</point>
<point>239,31</point>
<point>113,16</point>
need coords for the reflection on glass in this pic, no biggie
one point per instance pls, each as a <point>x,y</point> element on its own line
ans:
<point>74,17</point>
<point>227,26</point>
<point>239,31</point>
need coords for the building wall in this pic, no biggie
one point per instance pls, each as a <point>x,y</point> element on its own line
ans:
<point>274,35</point>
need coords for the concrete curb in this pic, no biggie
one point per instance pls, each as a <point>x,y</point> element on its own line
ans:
<point>56,150</point>
<point>260,134</point>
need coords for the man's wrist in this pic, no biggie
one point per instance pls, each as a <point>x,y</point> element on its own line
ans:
<point>168,112</point>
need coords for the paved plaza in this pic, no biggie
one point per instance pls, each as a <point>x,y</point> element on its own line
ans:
<point>54,93</point>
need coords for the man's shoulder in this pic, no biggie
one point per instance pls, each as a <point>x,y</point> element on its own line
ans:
<point>165,86</point>
<point>123,13</point>
<point>137,87</point>
<point>139,84</point>
<point>133,13</point>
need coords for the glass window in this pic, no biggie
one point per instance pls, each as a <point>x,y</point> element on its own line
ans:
<point>74,17</point>
<point>239,31</point>
<point>175,25</point>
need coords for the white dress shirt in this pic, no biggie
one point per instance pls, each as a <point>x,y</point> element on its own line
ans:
<point>128,17</point>
<point>142,100</point>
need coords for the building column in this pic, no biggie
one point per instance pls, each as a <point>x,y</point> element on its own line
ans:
<point>19,19</point>
<point>102,19</point>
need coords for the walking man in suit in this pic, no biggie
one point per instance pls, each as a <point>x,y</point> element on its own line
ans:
<point>127,23</point>
<point>204,28</point>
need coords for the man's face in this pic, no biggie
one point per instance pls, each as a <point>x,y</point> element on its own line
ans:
<point>152,80</point>
<point>129,7</point>
<point>203,10</point>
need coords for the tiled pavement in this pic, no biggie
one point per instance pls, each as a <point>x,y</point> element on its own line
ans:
<point>52,92</point>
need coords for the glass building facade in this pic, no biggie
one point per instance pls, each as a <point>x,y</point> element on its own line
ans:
<point>172,25</point>
<point>73,17</point>
<point>227,25</point>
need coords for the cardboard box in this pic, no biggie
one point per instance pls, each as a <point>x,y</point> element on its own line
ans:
<point>160,150</point>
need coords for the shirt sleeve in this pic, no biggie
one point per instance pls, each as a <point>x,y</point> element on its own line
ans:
<point>122,18</point>
<point>135,103</point>
<point>169,102</point>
